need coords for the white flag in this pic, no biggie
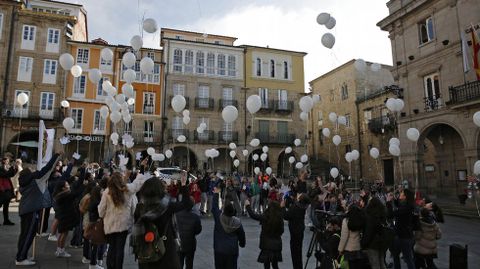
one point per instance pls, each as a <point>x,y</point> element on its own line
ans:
<point>45,145</point>
<point>466,64</point>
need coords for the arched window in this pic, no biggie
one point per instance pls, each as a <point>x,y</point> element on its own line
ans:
<point>285,70</point>
<point>272,68</point>
<point>259,67</point>
<point>177,60</point>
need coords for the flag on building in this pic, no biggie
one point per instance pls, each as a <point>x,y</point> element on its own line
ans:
<point>476,49</point>
<point>466,63</point>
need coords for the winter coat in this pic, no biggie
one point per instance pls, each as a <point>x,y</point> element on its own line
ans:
<point>228,232</point>
<point>120,219</point>
<point>370,237</point>
<point>268,240</point>
<point>426,239</point>
<point>301,186</point>
<point>295,215</point>
<point>66,210</point>
<point>349,240</point>
<point>254,189</point>
<point>404,220</point>
<point>189,225</point>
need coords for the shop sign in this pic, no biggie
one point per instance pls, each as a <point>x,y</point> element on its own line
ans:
<point>88,138</point>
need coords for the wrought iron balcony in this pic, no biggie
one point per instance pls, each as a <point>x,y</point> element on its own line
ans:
<point>225,102</point>
<point>225,136</point>
<point>146,138</point>
<point>283,106</point>
<point>32,113</point>
<point>433,103</point>
<point>267,106</point>
<point>207,137</point>
<point>382,124</point>
<point>281,139</point>
<point>469,91</point>
<point>204,103</point>
<point>174,133</point>
<point>187,99</point>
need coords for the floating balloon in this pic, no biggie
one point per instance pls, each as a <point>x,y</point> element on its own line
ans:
<point>288,150</point>
<point>129,75</point>
<point>66,61</point>
<point>291,159</point>
<point>256,170</point>
<point>355,154</point>
<point>147,65</point>
<point>181,138</point>
<point>337,140</point>
<point>263,157</point>
<point>232,146</point>
<point>245,152</point>
<point>150,151</point>
<point>323,18</point>
<point>304,158</point>
<point>127,118</point>
<point>306,103</point>
<point>326,132</point>
<point>360,65</point>
<point>114,136</point>
<point>328,40</point>
<point>68,123</point>
<point>203,125</point>
<point>476,168</point>
<point>342,120</point>
<point>331,23</point>
<point>179,103</point>
<point>316,98</point>
<point>94,75</point>
<point>390,104</point>
<point>334,172</point>
<point>130,101</point>
<point>129,59</point>
<point>399,105</point>
<point>65,104</point>
<point>348,157</point>
<point>297,142</point>
<point>374,153</point>
<point>476,118</point>
<point>168,153</point>
<point>150,26</point>
<point>233,154</point>
<point>394,150</point>
<point>114,106</point>
<point>76,71</point>
<point>255,142</point>
<point>136,42</point>
<point>120,99</point>
<point>200,130</point>
<point>106,85</point>
<point>299,165</point>
<point>236,162</point>
<point>186,113</point>
<point>229,114</point>
<point>104,112</point>
<point>106,54</point>
<point>394,141</point>
<point>304,116</point>
<point>268,170</point>
<point>265,149</point>
<point>254,103</point>
<point>255,157</point>
<point>115,117</point>
<point>413,134</point>
<point>332,117</point>
<point>22,99</point>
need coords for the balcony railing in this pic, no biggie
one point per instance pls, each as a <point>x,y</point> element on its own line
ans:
<point>226,136</point>
<point>281,139</point>
<point>32,113</point>
<point>207,137</point>
<point>187,104</point>
<point>174,133</point>
<point>469,91</point>
<point>225,102</point>
<point>267,106</point>
<point>204,103</point>
<point>148,109</point>
<point>381,124</point>
<point>433,103</point>
<point>283,106</point>
<point>146,138</point>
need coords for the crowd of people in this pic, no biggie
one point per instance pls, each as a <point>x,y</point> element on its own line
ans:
<point>164,216</point>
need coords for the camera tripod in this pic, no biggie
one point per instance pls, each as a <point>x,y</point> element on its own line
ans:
<point>314,247</point>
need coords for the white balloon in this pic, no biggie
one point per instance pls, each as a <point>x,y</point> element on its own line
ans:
<point>254,103</point>
<point>114,136</point>
<point>337,140</point>
<point>136,42</point>
<point>130,101</point>
<point>104,112</point>
<point>115,117</point>
<point>297,142</point>
<point>316,98</point>
<point>112,91</point>
<point>304,158</point>
<point>150,151</point>
<point>65,104</point>
<point>216,153</point>
<point>390,104</point>
<point>326,132</point>
<point>263,157</point>
<point>375,67</point>
<point>147,65</point>
<point>120,99</point>
<point>355,154</point>
<point>76,71</point>
<point>179,103</point>
<point>299,165</point>
<point>476,118</point>
<point>256,170</point>
<point>22,99</point>
<point>150,26</point>
<point>399,105</point>
<point>109,100</point>
<point>265,149</point>
<point>413,134</point>
<point>476,168</point>
<point>129,144</point>
<point>106,54</point>
<point>332,117</point>
<point>255,142</point>
<point>291,159</point>
<point>106,85</point>
<point>374,153</point>
<point>328,40</point>
<point>331,23</point>
<point>232,146</point>
<point>114,106</point>
<point>66,61</point>
<point>186,113</point>
<point>323,18</point>
<point>68,123</point>
<point>394,150</point>
<point>127,89</point>
<point>181,138</point>
<point>129,59</point>
<point>236,162</point>
<point>203,125</point>
<point>168,153</point>
<point>255,157</point>
<point>334,172</point>
<point>161,157</point>
<point>233,154</point>
<point>360,65</point>
<point>186,120</point>
<point>304,116</point>
<point>348,157</point>
<point>94,75</point>
<point>288,150</point>
<point>342,120</point>
<point>127,118</point>
<point>229,114</point>
<point>394,141</point>
<point>306,103</point>
<point>268,170</point>
<point>245,152</point>
<point>129,75</point>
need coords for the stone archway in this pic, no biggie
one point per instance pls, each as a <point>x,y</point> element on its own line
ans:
<point>23,146</point>
<point>184,158</point>
<point>284,168</point>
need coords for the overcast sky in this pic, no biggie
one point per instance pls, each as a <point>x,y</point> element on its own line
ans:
<point>284,24</point>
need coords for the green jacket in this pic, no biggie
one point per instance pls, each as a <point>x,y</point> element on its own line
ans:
<point>254,189</point>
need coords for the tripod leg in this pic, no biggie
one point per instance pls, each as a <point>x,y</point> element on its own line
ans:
<point>311,247</point>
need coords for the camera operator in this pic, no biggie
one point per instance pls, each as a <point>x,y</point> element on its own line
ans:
<point>329,241</point>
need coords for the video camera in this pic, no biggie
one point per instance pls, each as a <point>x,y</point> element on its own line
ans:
<point>321,218</point>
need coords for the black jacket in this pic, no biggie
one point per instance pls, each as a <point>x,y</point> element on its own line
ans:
<point>404,220</point>
<point>268,240</point>
<point>295,215</point>
<point>67,211</point>
<point>301,186</point>
<point>189,225</point>
<point>228,232</point>
<point>370,238</point>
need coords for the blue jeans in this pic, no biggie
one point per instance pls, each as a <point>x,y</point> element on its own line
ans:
<point>405,246</point>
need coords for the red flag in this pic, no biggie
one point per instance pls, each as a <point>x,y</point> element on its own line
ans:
<point>476,49</point>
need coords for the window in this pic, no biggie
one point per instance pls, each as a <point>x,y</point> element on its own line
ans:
<point>211,63</point>
<point>227,129</point>
<point>28,37</point>
<point>347,118</point>
<point>77,115</point>
<point>151,55</point>
<point>285,70</point>
<point>432,91</point>
<point>79,86</point>
<point>179,37</point>
<point>259,67</point>
<point>100,92</point>
<point>320,118</point>
<point>1,25</point>
<point>227,94</point>
<point>50,71</point>
<point>156,73</point>
<point>205,134</point>
<point>426,31</point>
<point>148,131</point>
<point>25,69</point>
<point>282,99</point>
<point>232,66</point>
<point>20,111</point>
<point>177,126</point>
<point>263,92</point>
<point>221,64</point>
<point>177,60</point>
<point>178,89</point>
<point>264,129</point>
<point>98,122</point>
<point>82,56</point>
<point>344,91</point>
<point>332,95</point>
<point>218,42</point>
<point>131,108</point>
<point>272,68</point>
<point>148,102</point>
<point>200,62</point>
<point>189,61</point>
<point>203,96</point>
<point>53,40</point>
<point>105,64</point>
<point>367,116</point>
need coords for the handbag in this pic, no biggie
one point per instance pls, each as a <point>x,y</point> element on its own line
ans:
<point>95,233</point>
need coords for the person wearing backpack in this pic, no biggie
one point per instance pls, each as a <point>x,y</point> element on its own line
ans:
<point>373,239</point>
<point>189,226</point>
<point>158,244</point>
<point>228,234</point>
<point>349,246</point>
<point>426,240</point>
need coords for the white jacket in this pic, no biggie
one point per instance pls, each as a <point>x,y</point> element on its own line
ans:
<point>120,219</point>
